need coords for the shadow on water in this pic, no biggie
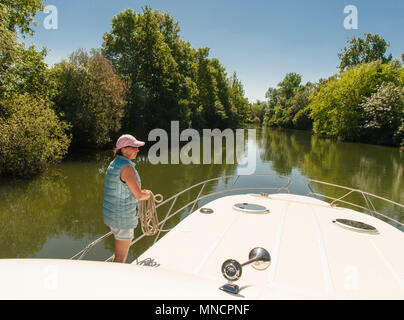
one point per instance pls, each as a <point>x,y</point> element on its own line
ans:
<point>57,214</point>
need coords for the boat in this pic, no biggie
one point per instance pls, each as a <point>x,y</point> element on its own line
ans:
<point>248,243</point>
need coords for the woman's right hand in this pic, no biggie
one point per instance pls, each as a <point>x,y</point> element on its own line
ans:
<point>146,194</point>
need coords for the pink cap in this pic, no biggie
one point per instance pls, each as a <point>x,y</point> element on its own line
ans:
<point>127,140</point>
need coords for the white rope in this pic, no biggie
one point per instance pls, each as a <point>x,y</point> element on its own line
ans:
<point>148,214</point>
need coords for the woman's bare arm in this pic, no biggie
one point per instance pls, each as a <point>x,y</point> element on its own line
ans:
<point>128,175</point>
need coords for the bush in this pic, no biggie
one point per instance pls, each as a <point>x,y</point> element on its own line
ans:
<point>31,137</point>
<point>336,110</point>
<point>383,114</point>
<point>302,120</point>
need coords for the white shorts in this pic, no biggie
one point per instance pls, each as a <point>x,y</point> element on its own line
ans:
<point>123,234</point>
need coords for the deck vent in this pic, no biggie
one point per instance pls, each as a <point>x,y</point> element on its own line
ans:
<point>250,208</point>
<point>355,226</point>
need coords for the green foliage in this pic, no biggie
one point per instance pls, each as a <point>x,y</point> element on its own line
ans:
<point>402,77</point>
<point>90,96</point>
<point>22,70</point>
<point>221,99</point>
<point>360,50</point>
<point>258,110</point>
<point>142,47</point>
<point>31,73</point>
<point>288,86</point>
<point>240,103</point>
<point>158,78</point>
<point>8,52</point>
<point>167,79</point>
<point>20,13</point>
<point>31,135</point>
<point>302,120</point>
<point>31,138</point>
<point>336,110</point>
<point>207,90</point>
<point>287,104</point>
<point>383,114</point>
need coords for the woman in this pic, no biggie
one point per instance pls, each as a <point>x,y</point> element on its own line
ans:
<point>122,191</point>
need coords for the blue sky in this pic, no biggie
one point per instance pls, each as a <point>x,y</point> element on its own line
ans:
<point>261,40</point>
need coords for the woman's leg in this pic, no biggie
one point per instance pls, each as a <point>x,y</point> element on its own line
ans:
<point>121,250</point>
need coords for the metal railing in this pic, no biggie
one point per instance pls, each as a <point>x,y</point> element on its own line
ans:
<point>366,196</point>
<point>370,207</point>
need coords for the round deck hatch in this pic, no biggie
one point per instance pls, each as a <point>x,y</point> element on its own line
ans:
<point>355,225</point>
<point>250,208</point>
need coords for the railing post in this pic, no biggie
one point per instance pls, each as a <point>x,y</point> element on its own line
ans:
<point>168,212</point>
<point>332,203</point>
<point>367,202</point>
<point>197,198</point>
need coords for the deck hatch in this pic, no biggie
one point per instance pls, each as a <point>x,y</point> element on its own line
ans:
<point>355,225</point>
<point>250,208</point>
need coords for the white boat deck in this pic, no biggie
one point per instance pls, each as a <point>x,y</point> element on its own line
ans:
<point>312,257</point>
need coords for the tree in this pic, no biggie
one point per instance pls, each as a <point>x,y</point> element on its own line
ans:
<point>20,14</point>
<point>272,95</point>
<point>207,91</point>
<point>22,70</point>
<point>301,114</point>
<point>239,101</point>
<point>336,110</point>
<point>289,85</point>
<point>360,50</point>
<point>169,80</point>
<point>90,96</point>
<point>383,114</point>
<point>8,52</point>
<point>143,47</point>
<point>258,110</point>
<point>25,71</point>
<point>282,105</point>
<point>31,137</point>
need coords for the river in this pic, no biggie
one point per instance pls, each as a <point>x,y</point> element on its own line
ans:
<point>58,213</point>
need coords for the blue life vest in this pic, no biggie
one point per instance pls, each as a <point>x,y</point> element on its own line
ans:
<point>120,207</point>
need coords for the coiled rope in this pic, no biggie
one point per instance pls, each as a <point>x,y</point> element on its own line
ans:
<point>148,214</point>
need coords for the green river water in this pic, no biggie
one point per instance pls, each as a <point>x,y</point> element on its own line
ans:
<point>58,213</point>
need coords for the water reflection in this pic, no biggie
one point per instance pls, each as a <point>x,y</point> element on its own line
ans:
<point>64,206</point>
<point>57,214</point>
<point>32,211</point>
<point>374,169</point>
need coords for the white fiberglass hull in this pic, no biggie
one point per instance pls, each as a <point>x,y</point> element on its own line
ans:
<point>311,258</point>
